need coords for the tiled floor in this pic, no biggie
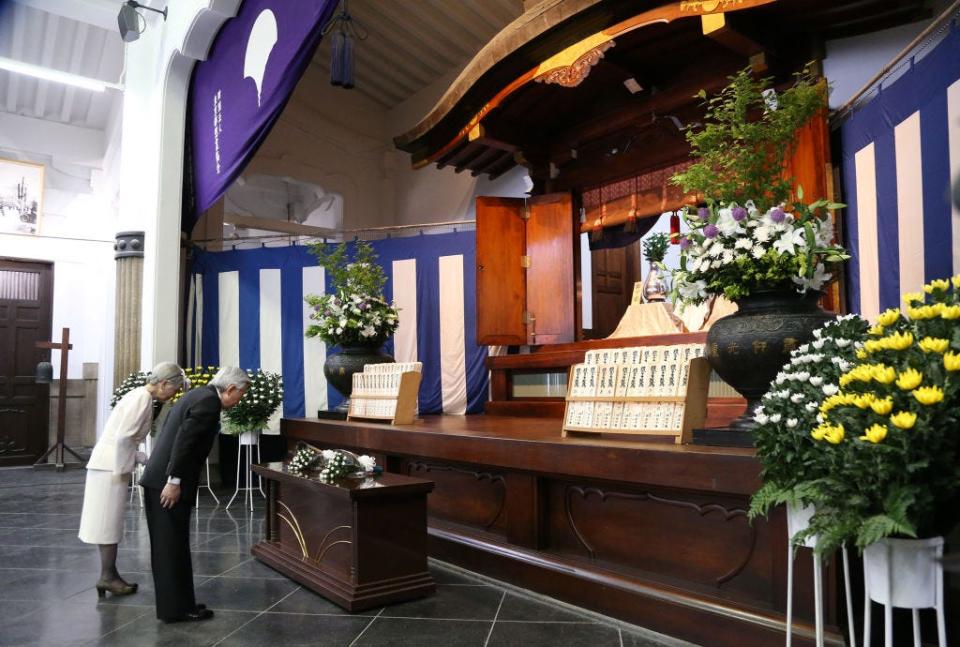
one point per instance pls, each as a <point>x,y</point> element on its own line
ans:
<point>47,596</point>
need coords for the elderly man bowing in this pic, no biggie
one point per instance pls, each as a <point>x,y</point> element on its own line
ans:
<point>170,483</point>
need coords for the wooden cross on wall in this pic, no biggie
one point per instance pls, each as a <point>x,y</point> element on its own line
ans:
<point>64,346</point>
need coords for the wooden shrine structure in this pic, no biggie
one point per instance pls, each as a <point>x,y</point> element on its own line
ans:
<point>592,96</point>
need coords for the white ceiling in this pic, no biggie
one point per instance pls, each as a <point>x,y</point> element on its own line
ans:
<point>412,43</point>
<point>66,35</point>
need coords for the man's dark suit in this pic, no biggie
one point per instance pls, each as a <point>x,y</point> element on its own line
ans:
<point>180,451</point>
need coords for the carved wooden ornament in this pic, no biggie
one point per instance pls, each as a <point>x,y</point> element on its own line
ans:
<point>570,76</point>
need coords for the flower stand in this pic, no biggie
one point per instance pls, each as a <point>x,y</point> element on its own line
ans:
<point>248,439</point>
<point>206,485</point>
<point>798,518</point>
<point>905,573</point>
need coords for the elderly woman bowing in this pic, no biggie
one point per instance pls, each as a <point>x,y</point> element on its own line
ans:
<point>111,463</point>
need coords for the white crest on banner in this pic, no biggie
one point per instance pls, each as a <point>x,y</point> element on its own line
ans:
<point>263,36</point>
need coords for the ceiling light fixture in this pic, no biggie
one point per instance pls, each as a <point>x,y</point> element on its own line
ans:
<point>632,85</point>
<point>48,74</point>
<point>129,20</point>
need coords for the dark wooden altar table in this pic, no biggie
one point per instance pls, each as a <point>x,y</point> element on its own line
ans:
<point>359,542</point>
<point>649,532</point>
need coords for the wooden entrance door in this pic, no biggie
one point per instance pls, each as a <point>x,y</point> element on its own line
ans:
<point>26,310</point>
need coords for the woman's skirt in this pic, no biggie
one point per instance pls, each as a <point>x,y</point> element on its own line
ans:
<point>104,500</point>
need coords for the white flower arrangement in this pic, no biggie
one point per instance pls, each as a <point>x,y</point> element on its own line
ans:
<point>356,312</point>
<point>734,250</point>
<point>785,450</point>
<point>263,397</point>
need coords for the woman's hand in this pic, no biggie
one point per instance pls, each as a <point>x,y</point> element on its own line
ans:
<point>141,458</point>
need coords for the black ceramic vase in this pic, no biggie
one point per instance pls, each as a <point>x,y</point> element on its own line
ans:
<point>748,348</point>
<point>340,367</point>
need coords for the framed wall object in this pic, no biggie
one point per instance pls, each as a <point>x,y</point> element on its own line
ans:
<point>21,196</point>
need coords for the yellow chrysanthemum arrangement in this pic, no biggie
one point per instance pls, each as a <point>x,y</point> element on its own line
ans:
<point>893,459</point>
<point>197,376</point>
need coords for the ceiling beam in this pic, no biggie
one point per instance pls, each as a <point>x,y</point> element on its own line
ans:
<point>720,28</point>
<point>459,16</point>
<point>46,60</point>
<point>504,165</point>
<point>465,44</point>
<point>100,13</point>
<point>98,101</point>
<point>446,50</point>
<point>494,22</point>
<point>16,52</point>
<point>374,94</point>
<point>413,48</point>
<point>489,161</point>
<point>411,74</point>
<point>76,59</point>
<point>369,75</point>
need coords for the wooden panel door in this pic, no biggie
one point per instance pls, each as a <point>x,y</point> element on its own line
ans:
<point>26,306</point>
<point>501,284</point>
<point>550,277</point>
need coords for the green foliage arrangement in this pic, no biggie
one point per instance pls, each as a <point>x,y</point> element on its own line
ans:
<point>356,312</point>
<point>748,238</point>
<point>261,400</point>
<point>791,458</point>
<point>655,247</point>
<point>891,456</point>
<point>739,154</point>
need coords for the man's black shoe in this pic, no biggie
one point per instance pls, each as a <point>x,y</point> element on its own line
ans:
<point>193,616</point>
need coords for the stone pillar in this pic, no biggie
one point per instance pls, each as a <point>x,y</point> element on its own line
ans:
<point>129,255</point>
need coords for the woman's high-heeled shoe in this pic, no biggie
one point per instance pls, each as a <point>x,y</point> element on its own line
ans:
<point>115,588</point>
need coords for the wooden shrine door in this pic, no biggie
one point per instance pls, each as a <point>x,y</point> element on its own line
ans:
<point>26,310</point>
<point>613,271</point>
<point>525,270</point>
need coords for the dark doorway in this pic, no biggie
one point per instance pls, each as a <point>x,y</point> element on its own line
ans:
<point>26,312</point>
<point>614,273</point>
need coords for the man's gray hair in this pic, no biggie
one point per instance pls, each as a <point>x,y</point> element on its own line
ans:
<point>230,375</point>
<point>166,372</point>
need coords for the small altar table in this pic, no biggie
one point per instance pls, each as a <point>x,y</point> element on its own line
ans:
<point>359,542</point>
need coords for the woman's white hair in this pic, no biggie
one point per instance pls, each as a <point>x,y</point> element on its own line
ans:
<point>230,375</point>
<point>167,372</point>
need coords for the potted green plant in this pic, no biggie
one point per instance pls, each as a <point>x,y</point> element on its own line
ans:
<point>355,317</point>
<point>655,284</point>
<point>748,243</point>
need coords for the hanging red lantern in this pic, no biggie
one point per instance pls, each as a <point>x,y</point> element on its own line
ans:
<point>674,229</point>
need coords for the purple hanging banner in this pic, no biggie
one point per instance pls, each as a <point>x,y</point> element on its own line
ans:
<point>237,94</point>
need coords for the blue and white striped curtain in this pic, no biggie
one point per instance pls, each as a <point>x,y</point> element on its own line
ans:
<point>900,152</point>
<point>246,309</point>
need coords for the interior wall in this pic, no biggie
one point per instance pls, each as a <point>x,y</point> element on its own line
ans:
<point>430,194</point>
<point>851,62</point>
<point>338,140</point>
<point>77,228</point>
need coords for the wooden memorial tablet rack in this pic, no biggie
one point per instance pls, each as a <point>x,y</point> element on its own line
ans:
<point>606,398</point>
<point>393,399</point>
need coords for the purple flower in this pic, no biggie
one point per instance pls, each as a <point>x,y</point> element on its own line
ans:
<point>684,242</point>
<point>777,215</point>
<point>703,213</point>
<point>738,213</point>
<point>711,231</point>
